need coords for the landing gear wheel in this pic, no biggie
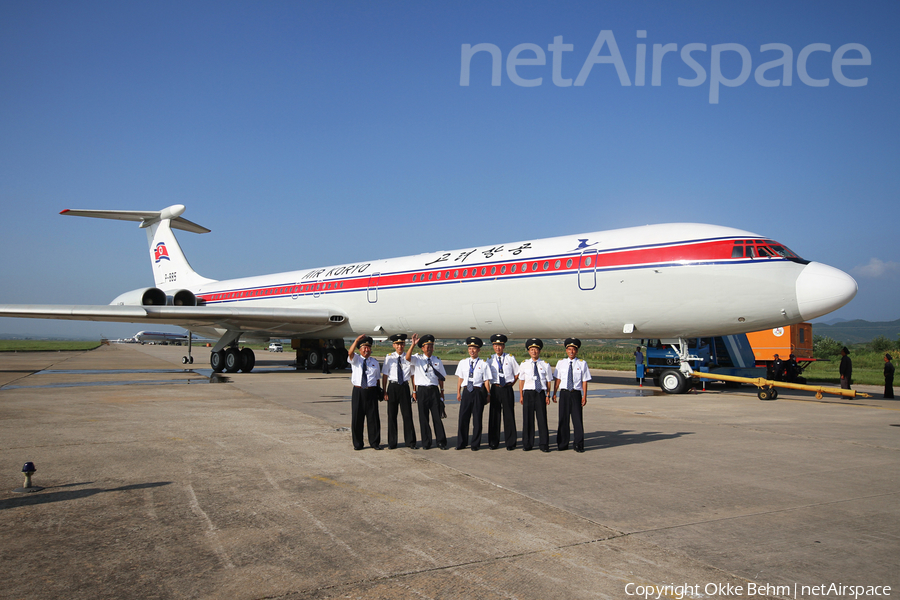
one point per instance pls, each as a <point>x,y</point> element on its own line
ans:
<point>191,360</point>
<point>248,360</point>
<point>184,360</point>
<point>767,394</point>
<point>217,361</point>
<point>672,382</point>
<point>232,360</point>
<point>314,359</point>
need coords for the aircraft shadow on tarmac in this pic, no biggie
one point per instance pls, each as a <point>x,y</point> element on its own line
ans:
<point>47,497</point>
<point>625,437</point>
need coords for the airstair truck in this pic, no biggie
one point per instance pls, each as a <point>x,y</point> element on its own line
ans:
<point>729,355</point>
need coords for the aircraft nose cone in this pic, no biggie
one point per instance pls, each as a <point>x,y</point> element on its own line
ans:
<point>822,289</point>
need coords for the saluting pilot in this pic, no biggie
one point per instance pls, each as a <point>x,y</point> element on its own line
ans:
<point>428,385</point>
<point>535,379</point>
<point>504,373</point>
<point>395,380</point>
<point>364,376</point>
<point>572,375</point>
<point>472,390</point>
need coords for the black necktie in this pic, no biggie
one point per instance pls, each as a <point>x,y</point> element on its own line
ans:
<point>470,386</point>
<point>500,369</point>
<point>570,384</point>
<point>365,375</point>
<point>537,378</point>
<point>399,370</point>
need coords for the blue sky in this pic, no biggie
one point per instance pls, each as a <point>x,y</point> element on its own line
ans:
<point>313,133</point>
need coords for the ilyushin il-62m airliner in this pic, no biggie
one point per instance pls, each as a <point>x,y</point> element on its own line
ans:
<point>623,283</point>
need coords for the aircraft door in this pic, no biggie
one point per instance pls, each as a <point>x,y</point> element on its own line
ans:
<point>372,291</point>
<point>587,270</point>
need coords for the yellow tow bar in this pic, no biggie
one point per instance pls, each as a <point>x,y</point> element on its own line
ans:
<point>768,389</point>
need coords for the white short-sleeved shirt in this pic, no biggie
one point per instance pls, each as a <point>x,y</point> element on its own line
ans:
<point>580,373</point>
<point>373,371</point>
<point>424,373</point>
<point>481,372</point>
<point>390,367</point>
<point>510,368</point>
<point>526,374</point>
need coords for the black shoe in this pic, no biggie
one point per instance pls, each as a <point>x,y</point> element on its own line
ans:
<point>377,447</point>
<point>545,449</point>
<point>493,447</point>
<point>392,447</point>
<point>412,446</point>
<point>357,449</point>
<point>561,448</point>
<point>442,446</point>
<point>475,448</point>
<point>510,447</point>
<point>579,449</point>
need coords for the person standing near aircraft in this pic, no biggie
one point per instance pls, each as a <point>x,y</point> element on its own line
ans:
<point>472,389</point>
<point>428,383</point>
<point>535,377</point>
<point>395,381</point>
<point>572,375</point>
<point>888,377</point>
<point>504,373</point>
<point>364,376</point>
<point>845,369</point>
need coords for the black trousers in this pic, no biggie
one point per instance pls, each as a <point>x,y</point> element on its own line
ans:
<point>400,399</point>
<point>503,402</point>
<point>889,387</point>
<point>429,401</point>
<point>471,406</point>
<point>534,405</point>
<point>570,409</point>
<point>364,409</point>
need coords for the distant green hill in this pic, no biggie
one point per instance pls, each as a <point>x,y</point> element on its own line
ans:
<point>858,331</point>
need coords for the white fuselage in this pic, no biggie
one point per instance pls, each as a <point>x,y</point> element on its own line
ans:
<point>656,281</point>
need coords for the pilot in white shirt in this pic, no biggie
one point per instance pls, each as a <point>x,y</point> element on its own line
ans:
<point>428,385</point>
<point>395,377</point>
<point>572,375</point>
<point>535,379</point>
<point>364,376</point>
<point>472,390</point>
<point>504,373</point>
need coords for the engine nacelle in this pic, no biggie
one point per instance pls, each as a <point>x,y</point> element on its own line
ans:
<point>142,297</point>
<point>183,298</point>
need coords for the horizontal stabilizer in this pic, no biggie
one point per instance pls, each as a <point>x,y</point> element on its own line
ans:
<point>145,217</point>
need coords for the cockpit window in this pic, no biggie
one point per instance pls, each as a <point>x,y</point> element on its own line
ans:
<point>764,249</point>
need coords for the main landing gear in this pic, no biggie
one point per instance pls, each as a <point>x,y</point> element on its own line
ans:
<point>232,360</point>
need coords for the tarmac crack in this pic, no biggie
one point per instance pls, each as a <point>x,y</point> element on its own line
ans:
<point>763,513</point>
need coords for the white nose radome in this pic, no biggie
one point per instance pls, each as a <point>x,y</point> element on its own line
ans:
<point>822,289</point>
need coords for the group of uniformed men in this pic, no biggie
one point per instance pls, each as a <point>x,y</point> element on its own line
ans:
<point>482,382</point>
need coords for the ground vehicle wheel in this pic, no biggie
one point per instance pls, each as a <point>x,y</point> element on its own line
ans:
<point>764,394</point>
<point>314,359</point>
<point>217,361</point>
<point>331,359</point>
<point>248,360</point>
<point>672,382</point>
<point>232,360</point>
<point>773,393</point>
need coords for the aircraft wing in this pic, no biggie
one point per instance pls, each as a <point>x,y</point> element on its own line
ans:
<point>264,321</point>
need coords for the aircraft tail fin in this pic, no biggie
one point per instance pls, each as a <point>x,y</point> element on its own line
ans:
<point>171,268</point>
